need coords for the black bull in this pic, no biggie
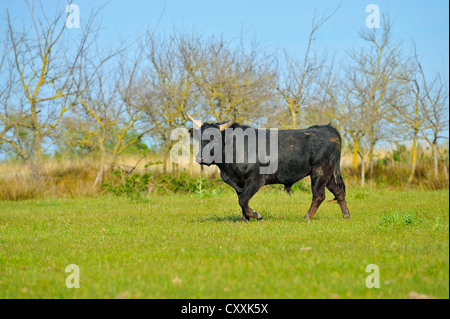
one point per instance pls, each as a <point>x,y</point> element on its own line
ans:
<point>314,152</point>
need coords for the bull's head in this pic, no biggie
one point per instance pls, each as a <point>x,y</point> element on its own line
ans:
<point>209,136</point>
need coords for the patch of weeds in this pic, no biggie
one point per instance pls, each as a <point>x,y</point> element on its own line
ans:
<point>398,219</point>
<point>301,186</point>
<point>357,193</point>
<point>438,225</point>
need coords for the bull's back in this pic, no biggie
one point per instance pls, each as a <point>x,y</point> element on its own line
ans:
<point>299,151</point>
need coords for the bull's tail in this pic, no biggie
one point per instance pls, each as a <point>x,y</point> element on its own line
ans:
<point>337,177</point>
<point>336,164</point>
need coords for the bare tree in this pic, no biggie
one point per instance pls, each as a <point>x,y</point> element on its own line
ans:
<point>165,90</point>
<point>108,111</point>
<point>407,114</point>
<point>340,105</point>
<point>8,81</point>
<point>380,77</point>
<point>42,85</point>
<point>299,85</point>
<point>434,103</point>
<point>423,109</point>
<point>228,77</point>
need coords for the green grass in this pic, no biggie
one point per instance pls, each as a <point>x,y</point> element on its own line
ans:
<point>188,246</point>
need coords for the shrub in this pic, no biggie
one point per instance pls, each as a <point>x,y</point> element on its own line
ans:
<point>132,186</point>
<point>135,186</point>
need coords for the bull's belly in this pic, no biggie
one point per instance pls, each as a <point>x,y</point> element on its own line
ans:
<point>287,176</point>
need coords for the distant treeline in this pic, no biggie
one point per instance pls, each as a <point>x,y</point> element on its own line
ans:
<point>61,95</point>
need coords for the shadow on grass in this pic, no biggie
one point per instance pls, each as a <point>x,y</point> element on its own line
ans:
<point>234,218</point>
<point>237,217</point>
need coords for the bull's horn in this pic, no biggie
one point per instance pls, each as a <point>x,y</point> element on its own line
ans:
<point>226,125</point>
<point>196,122</point>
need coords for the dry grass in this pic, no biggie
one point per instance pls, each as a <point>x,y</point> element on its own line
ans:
<point>396,174</point>
<point>75,178</point>
<point>69,179</point>
<point>66,179</point>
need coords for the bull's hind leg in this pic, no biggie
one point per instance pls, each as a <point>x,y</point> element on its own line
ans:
<point>337,188</point>
<point>318,183</point>
<point>247,193</point>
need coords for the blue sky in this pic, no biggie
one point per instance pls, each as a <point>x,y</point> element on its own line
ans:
<point>278,25</point>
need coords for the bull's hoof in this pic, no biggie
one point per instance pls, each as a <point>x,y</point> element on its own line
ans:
<point>254,215</point>
<point>307,217</point>
<point>346,216</point>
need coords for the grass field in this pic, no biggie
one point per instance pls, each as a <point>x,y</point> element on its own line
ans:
<point>190,246</point>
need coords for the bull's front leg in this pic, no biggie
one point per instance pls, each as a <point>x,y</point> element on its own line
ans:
<point>247,193</point>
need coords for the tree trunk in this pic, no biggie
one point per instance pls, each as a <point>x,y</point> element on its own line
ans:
<point>99,178</point>
<point>363,172</point>
<point>190,172</point>
<point>175,170</point>
<point>355,159</point>
<point>37,144</point>
<point>166,153</point>
<point>371,158</point>
<point>293,115</point>
<point>414,158</point>
<point>435,159</point>
<point>355,156</point>
<point>445,170</point>
<point>294,120</point>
